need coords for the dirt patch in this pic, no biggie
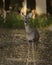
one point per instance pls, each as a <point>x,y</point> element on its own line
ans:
<point>14,52</point>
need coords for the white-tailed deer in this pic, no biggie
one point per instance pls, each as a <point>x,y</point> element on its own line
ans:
<point>32,35</point>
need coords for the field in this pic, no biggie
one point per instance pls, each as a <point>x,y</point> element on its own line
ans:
<point>14,48</point>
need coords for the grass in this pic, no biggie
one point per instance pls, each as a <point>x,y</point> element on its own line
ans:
<point>41,22</point>
<point>16,21</point>
<point>1,21</point>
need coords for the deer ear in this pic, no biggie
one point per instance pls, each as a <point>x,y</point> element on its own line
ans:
<point>29,15</point>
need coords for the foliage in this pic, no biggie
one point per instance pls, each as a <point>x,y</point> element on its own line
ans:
<point>41,21</point>
<point>14,20</point>
<point>1,21</point>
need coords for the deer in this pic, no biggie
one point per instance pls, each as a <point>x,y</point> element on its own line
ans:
<point>32,35</point>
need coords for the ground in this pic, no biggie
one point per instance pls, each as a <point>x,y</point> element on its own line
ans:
<point>14,48</point>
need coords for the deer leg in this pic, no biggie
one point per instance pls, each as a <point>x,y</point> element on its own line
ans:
<point>28,53</point>
<point>33,53</point>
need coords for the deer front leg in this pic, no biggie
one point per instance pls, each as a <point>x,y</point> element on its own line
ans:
<point>33,56</point>
<point>27,63</point>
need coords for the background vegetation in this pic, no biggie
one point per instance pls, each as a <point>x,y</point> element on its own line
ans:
<point>16,21</point>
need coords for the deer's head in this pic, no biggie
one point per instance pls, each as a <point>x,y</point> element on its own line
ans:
<point>26,17</point>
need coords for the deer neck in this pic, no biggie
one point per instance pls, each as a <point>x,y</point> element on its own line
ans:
<point>27,27</point>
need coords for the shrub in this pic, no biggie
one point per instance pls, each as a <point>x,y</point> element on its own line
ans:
<point>14,21</point>
<point>40,22</point>
<point>1,21</point>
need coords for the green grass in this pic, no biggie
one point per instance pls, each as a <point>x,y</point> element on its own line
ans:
<point>41,22</point>
<point>16,21</point>
<point>1,21</point>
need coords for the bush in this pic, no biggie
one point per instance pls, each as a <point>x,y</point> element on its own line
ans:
<point>1,21</point>
<point>40,22</point>
<point>14,21</point>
